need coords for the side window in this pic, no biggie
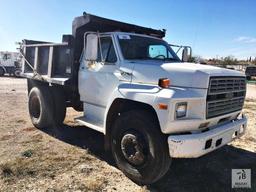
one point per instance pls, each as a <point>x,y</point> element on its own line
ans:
<point>155,51</point>
<point>108,51</point>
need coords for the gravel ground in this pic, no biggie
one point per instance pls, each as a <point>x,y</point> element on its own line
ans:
<point>71,157</point>
<point>251,91</point>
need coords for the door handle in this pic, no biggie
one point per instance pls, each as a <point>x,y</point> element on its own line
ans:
<point>124,73</point>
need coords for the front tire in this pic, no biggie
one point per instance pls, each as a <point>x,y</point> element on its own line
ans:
<point>139,148</point>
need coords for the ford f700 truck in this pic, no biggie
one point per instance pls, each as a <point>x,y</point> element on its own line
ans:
<point>150,105</point>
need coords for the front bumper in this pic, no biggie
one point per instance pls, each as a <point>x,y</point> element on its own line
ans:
<point>198,144</point>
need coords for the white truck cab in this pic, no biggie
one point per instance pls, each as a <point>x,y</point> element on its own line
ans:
<point>129,66</point>
<point>150,105</point>
<point>9,63</point>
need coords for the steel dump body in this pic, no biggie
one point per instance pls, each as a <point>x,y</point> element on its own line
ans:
<point>47,61</point>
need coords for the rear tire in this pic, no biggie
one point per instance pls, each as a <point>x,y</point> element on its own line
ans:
<point>40,107</point>
<point>139,148</point>
<point>2,71</point>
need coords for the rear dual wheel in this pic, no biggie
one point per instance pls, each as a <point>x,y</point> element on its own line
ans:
<point>46,107</point>
<point>40,107</point>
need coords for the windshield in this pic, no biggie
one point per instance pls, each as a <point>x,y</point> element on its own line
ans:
<point>137,47</point>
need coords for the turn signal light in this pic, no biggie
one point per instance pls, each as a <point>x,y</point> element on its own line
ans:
<point>162,106</point>
<point>164,82</point>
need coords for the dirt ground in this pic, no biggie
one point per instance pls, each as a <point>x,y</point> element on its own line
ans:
<point>251,91</point>
<point>72,157</point>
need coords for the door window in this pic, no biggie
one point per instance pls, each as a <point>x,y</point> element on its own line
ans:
<point>107,51</point>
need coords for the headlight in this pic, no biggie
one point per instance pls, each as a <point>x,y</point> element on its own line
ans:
<point>181,110</point>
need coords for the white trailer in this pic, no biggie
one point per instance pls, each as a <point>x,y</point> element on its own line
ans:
<point>150,105</point>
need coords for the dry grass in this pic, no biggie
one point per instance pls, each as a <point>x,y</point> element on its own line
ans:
<point>94,184</point>
<point>6,137</point>
<point>34,139</point>
<point>250,104</point>
<point>248,141</point>
<point>44,164</point>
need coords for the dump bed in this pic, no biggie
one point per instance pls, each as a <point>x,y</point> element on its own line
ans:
<point>47,61</point>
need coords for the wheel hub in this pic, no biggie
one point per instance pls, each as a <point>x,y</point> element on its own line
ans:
<point>132,148</point>
<point>35,107</point>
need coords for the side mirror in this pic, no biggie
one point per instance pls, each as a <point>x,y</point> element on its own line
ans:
<point>91,48</point>
<point>185,54</point>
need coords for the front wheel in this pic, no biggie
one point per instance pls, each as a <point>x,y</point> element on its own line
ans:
<point>139,148</point>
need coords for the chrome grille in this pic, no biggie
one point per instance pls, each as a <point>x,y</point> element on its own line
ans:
<point>223,85</point>
<point>225,95</point>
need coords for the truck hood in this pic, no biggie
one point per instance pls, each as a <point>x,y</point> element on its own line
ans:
<point>181,74</point>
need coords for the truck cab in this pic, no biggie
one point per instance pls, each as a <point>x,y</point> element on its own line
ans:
<point>150,105</point>
<point>9,63</point>
<point>250,72</point>
<point>197,99</point>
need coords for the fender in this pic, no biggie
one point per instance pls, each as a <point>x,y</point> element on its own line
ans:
<point>153,95</point>
<point>147,94</point>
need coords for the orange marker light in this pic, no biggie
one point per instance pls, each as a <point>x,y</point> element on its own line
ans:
<point>162,106</point>
<point>164,82</point>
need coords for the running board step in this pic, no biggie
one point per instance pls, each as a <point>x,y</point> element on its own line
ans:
<point>91,123</point>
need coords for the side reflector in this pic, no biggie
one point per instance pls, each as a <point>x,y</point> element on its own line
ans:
<point>164,82</point>
<point>162,106</point>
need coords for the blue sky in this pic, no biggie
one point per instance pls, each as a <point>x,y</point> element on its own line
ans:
<point>212,28</point>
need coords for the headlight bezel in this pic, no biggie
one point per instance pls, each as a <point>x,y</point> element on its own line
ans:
<point>181,109</point>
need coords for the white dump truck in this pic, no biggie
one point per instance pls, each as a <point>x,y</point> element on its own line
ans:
<point>9,63</point>
<point>150,105</point>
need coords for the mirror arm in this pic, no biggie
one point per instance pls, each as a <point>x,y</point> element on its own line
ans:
<point>178,50</point>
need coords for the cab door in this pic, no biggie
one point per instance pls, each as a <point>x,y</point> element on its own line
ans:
<point>97,82</point>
